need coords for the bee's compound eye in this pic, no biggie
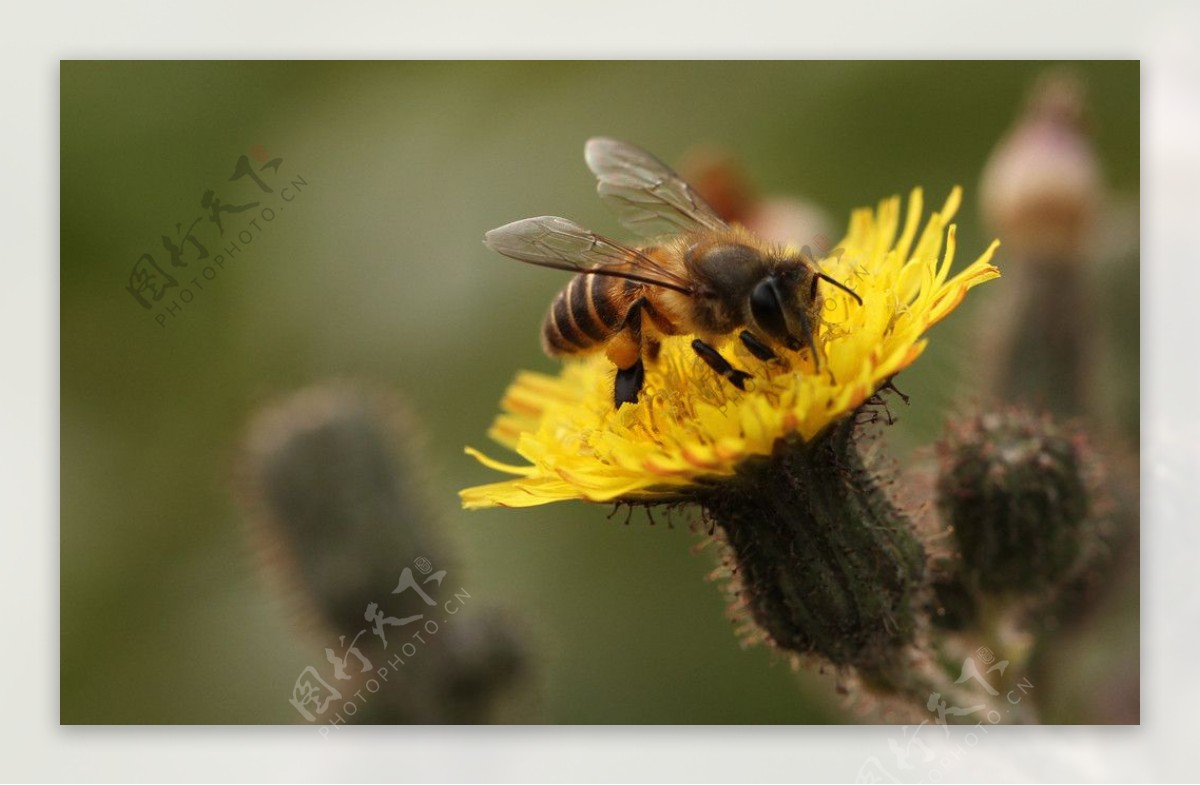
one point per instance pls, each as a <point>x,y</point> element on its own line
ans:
<point>767,310</point>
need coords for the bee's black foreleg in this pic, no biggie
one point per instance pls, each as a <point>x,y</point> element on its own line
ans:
<point>719,364</point>
<point>629,383</point>
<point>757,347</point>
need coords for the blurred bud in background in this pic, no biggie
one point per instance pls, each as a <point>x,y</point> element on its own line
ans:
<point>1024,498</point>
<point>1042,185</point>
<point>331,482</point>
<point>720,180</point>
<point>1059,338</point>
<point>1040,192</point>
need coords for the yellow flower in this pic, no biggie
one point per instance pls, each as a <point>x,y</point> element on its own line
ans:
<point>691,427</point>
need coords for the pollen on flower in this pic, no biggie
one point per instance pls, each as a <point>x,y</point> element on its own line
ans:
<point>691,428</point>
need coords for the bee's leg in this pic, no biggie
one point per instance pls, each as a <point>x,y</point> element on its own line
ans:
<point>625,351</point>
<point>719,364</point>
<point>757,347</point>
<point>629,383</point>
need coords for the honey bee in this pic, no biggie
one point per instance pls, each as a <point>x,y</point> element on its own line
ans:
<point>698,275</point>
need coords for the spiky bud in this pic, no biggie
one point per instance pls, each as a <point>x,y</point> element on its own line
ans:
<point>825,563</point>
<point>1013,487</point>
<point>332,483</point>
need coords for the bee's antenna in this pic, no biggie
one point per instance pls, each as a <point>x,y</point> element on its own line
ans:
<point>839,285</point>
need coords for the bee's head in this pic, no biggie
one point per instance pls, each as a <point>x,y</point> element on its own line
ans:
<point>785,303</point>
<point>781,290</point>
<point>781,306</point>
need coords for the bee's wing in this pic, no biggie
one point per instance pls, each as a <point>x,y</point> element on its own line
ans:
<point>648,196</point>
<point>565,245</point>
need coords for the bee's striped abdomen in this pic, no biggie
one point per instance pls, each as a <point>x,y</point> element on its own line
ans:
<point>585,314</point>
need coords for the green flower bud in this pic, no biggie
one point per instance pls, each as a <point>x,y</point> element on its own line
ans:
<point>824,562</point>
<point>1013,486</point>
<point>332,482</point>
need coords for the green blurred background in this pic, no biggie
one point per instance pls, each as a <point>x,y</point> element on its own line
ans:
<point>376,271</point>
